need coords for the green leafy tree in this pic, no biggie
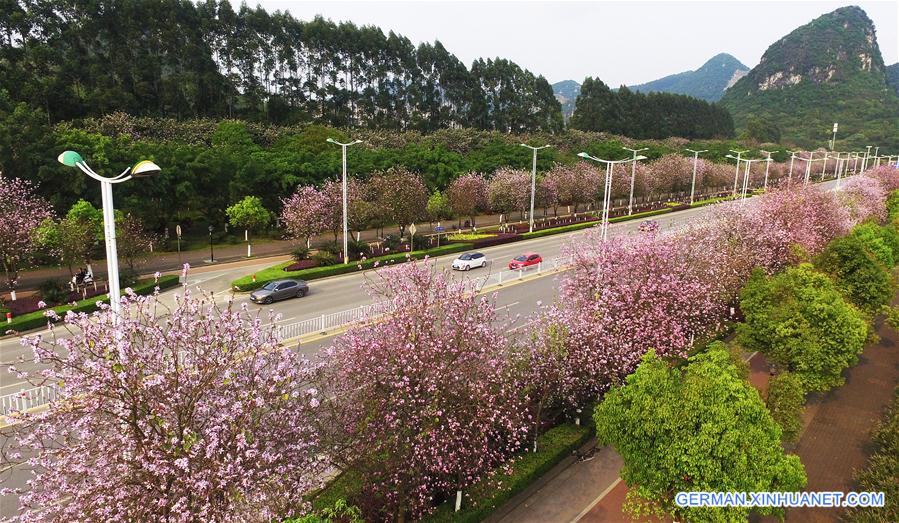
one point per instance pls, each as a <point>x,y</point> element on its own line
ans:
<point>801,322</point>
<point>857,271</point>
<point>699,427</point>
<point>786,398</point>
<point>249,214</point>
<point>439,207</point>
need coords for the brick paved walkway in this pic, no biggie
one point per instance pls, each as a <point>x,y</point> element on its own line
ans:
<point>836,442</point>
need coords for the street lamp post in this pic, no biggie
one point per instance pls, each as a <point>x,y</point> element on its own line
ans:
<point>695,161</point>
<point>630,201</point>
<point>767,165</point>
<point>792,157</point>
<point>533,182</point>
<point>211,251</point>
<point>865,159</point>
<point>604,225</point>
<point>139,170</point>
<point>737,172</point>
<point>824,165</point>
<point>343,146</point>
<point>747,174</point>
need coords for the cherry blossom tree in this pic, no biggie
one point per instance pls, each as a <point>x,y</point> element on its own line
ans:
<point>865,198</point>
<point>547,195</point>
<point>133,240</point>
<point>196,413</point>
<point>424,401</point>
<point>509,190</point>
<point>401,194</point>
<point>467,195</point>
<point>576,184</point>
<point>22,212</point>
<point>304,212</point>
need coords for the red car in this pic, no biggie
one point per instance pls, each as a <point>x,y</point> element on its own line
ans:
<point>525,260</point>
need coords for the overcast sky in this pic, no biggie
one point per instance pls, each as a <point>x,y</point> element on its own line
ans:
<point>619,42</point>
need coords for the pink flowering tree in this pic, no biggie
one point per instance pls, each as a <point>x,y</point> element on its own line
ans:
<point>304,213</point>
<point>22,212</point>
<point>425,401</point>
<point>400,195</point>
<point>509,190</point>
<point>670,173</point>
<point>467,195</point>
<point>865,198</point>
<point>547,195</point>
<point>577,184</point>
<point>195,413</point>
<point>888,175</point>
<point>332,205</point>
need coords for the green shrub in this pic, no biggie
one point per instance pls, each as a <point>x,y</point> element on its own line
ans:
<point>357,249</point>
<point>883,242</point>
<point>468,236</point>
<point>485,497</point>
<point>799,320</point>
<point>882,471</point>
<point>324,258</point>
<point>128,277</point>
<point>277,272</point>
<point>392,242</point>
<point>893,206</point>
<point>36,319</point>
<point>53,291</point>
<point>339,512</point>
<point>786,398</point>
<point>857,272</point>
<point>300,253</point>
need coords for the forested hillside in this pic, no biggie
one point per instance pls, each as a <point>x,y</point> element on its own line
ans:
<point>829,70</point>
<point>172,58</point>
<point>653,115</point>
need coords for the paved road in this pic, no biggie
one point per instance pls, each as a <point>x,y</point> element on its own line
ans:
<point>516,300</point>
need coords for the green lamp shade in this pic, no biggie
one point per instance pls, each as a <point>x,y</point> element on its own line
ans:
<point>69,158</point>
<point>145,168</point>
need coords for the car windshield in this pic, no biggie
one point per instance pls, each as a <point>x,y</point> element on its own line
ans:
<point>465,257</point>
<point>521,258</point>
<point>270,286</point>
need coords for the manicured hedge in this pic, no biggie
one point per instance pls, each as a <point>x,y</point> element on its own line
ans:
<point>277,272</point>
<point>485,497</point>
<point>36,319</point>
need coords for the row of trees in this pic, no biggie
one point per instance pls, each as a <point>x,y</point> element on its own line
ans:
<point>183,59</point>
<point>28,227</point>
<point>218,422</point>
<point>652,115</point>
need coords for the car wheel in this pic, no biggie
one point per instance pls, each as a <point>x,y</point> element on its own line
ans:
<point>302,292</point>
<point>483,264</point>
<point>467,266</point>
<point>267,301</point>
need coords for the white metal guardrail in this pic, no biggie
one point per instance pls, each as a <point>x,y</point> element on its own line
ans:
<point>27,399</point>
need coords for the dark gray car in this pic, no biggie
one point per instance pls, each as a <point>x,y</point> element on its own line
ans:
<point>279,290</point>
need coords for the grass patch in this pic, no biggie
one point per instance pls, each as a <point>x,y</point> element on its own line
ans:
<point>277,272</point>
<point>485,497</point>
<point>36,319</point>
<point>468,236</point>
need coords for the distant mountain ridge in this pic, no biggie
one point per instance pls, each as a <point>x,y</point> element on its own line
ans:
<point>829,70</point>
<point>706,83</point>
<point>893,76</point>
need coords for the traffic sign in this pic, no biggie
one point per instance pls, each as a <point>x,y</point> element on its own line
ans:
<point>412,229</point>
<point>178,230</point>
<point>439,228</point>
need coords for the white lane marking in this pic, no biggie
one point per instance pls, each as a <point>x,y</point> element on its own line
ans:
<point>506,306</point>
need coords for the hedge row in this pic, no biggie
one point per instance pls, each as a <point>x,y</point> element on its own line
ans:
<point>483,498</point>
<point>36,319</point>
<point>277,272</point>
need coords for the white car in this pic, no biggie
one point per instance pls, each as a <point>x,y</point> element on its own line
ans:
<point>469,260</point>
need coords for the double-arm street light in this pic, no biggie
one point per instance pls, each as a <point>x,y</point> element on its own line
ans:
<point>604,225</point>
<point>865,159</point>
<point>139,170</point>
<point>630,201</point>
<point>737,172</point>
<point>767,165</point>
<point>533,181</point>
<point>343,146</point>
<point>695,161</point>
